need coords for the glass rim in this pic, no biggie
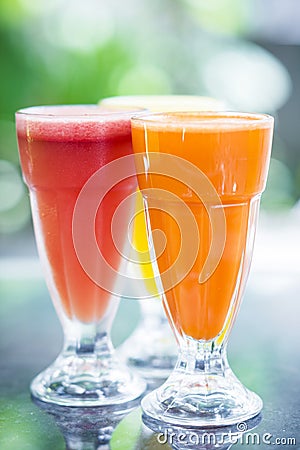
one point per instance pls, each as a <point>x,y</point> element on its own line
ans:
<point>203,119</point>
<point>44,111</point>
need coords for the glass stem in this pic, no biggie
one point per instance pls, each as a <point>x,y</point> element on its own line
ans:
<point>203,358</point>
<point>87,340</point>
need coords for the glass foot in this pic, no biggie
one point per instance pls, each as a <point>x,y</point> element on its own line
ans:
<point>86,380</point>
<point>195,398</point>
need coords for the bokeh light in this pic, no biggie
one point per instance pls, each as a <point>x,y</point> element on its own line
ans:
<point>222,16</point>
<point>248,78</point>
<point>68,51</point>
<point>144,78</point>
<point>79,26</point>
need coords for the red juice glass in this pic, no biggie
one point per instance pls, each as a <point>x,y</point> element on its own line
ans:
<point>62,151</point>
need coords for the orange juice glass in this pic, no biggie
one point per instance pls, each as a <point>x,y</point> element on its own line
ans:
<point>201,177</point>
<point>151,349</point>
<point>61,149</point>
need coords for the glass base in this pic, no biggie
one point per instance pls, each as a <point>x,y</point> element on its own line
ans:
<point>200,398</point>
<point>85,380</point>
<point>151,350</point>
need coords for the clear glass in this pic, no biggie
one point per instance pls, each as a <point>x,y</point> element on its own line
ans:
<point>201,176</point>
<point>62,149</point>
<point>151,349</point>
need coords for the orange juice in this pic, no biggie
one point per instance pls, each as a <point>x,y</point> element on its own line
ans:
<point>233,151</point>
<point>157,103</point>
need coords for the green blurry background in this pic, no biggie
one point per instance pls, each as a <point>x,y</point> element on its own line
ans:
<point>69,51</point>
<point>244,52</point>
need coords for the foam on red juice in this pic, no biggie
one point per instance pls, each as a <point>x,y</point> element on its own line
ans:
<point>58,155</point>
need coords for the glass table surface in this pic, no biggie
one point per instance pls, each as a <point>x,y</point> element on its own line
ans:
<point>263,351</point>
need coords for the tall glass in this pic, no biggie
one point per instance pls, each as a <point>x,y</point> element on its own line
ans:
<point>151,349</point>
<point>201,177</point>
<point>65,152</point>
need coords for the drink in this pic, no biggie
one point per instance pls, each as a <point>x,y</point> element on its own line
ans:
<point>152,349</point>
<point>61,148</point>
<point>232,151</point>
<point>239,180</point>
<point>156,103</point>
<point>57,162</point>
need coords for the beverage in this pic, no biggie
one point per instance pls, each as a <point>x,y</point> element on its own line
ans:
<point>62,149</point>
<point>237,178</point>
<point>152,349</point>
<point>157,103</point>
<point>231,152</point>
<point>57,162</point>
